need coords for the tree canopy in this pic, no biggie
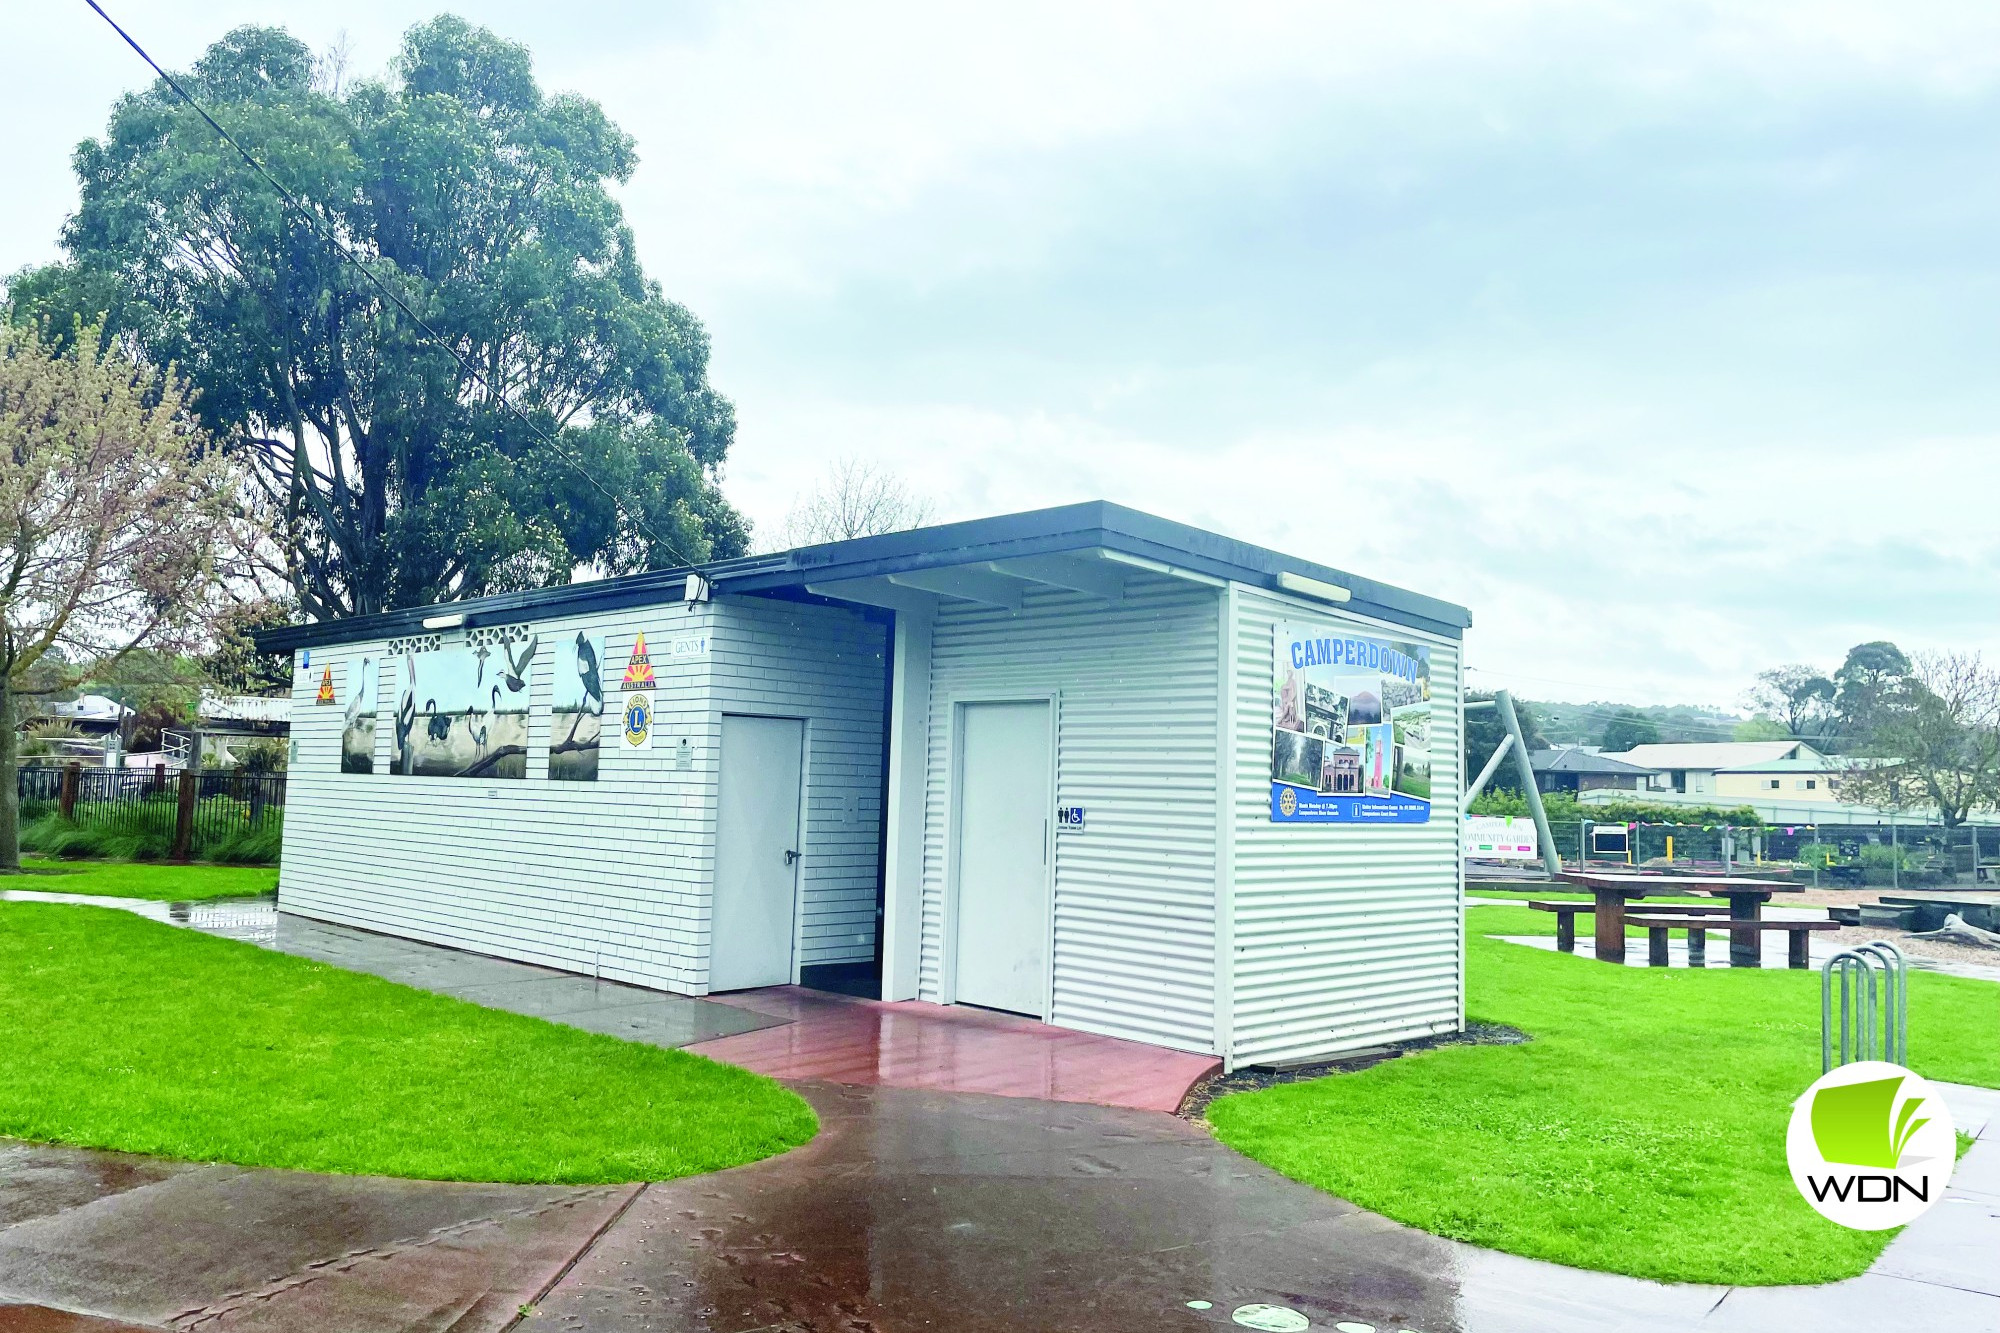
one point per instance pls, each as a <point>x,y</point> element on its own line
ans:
<point>114,515</point>
<point>1483,730</point>
<point>1867,682</point>
<point>1627,729</point>
<point>1797,697</point>
<point>1935,740</point>
<point>393,474</point>
<point>855,498</point>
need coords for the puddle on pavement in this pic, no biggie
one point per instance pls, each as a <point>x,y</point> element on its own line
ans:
<point>252,920</point>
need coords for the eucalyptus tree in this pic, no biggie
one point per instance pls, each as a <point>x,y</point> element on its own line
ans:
<point>391,468</point>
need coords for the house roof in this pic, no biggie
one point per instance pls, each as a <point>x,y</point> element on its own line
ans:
<point>996,554</point>
<point>1816,763</point>
<point>89,708</point>
<point>1568,759</point>
<point>1714,755</point>
<point>244,708</point>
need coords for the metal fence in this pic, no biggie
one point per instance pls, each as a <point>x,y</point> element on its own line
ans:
<point>1907,853</point>
<point>179,814</point>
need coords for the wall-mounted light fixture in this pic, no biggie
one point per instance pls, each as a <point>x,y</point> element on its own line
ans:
<point>1318,589</point>
<point>452,621</point>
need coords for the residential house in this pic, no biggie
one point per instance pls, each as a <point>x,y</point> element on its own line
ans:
<point>1694,769</point>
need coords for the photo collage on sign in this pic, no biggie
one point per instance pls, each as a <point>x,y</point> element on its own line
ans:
<point>1351,734</point>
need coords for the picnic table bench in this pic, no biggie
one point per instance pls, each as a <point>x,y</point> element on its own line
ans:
<point>1696,919</point>
<point>1566,914</point>
<point>1798,949</point>
<point>1616,894</point>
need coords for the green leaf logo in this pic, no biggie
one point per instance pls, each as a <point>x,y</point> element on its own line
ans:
<point>1859,1124</point>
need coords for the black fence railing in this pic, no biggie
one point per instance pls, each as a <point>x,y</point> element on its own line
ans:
<point>156,812</point>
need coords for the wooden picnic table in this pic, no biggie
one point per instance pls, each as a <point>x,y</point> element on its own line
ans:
<point>1615,890</point>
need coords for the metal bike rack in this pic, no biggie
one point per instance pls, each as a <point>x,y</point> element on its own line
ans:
<point>1861,1002</point>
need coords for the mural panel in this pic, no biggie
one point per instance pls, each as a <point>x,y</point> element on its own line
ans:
<point>577,711</point>
<point>464,712</point>
<point>357,737</point>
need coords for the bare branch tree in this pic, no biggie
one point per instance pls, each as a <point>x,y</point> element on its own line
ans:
<point>1800,697</point>
<point>113,511</point>
<point>1936,741</point>
<point>856,498</point>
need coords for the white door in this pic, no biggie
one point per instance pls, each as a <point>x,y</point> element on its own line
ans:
<point>1004,807</point>
<point>756,853</point>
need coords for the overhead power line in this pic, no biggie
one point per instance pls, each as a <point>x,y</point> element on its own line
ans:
<point>395,298</point>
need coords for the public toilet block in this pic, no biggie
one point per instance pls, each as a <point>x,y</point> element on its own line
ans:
<point>1083,764</point>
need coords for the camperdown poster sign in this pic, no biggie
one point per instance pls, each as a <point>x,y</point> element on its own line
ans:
<point>1351,729</point>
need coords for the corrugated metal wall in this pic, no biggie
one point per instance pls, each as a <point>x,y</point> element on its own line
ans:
<point>610,876</point>
<point>828,666</point>
<point>1343,936</point>
<point>1136,734</point>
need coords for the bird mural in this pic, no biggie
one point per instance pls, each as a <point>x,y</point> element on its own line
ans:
<point>464,711</point>
<point>588,671</point>
<point>516,674</point>
<point>406,721</point>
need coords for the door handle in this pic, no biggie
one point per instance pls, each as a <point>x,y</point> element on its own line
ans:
<point>792,856</point>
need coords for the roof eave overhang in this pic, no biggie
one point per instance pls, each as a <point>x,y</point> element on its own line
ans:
<point>1080,528</point>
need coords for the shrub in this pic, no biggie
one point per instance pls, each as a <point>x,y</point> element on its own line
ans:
<point>258,846</point>
<point>144,831</point>
<point>1563,807</point>
<point>1875,855</point>
<point>94,839</point>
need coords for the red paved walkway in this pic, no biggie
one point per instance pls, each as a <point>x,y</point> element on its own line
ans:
<point>951,1048</point>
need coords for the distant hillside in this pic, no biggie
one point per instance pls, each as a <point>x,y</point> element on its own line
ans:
<point>1582,724</point>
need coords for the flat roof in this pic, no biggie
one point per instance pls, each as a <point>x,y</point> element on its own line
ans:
<point>1093,525</point>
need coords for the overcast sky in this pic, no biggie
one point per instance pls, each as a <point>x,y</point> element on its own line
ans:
<point>1661,335</point>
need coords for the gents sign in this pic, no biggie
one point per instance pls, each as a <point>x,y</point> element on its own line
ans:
<point>1350,728</point>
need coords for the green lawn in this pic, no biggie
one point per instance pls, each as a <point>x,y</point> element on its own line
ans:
<point>142,879</point>
<point>125,1033</point>
<point>1641,1131</point>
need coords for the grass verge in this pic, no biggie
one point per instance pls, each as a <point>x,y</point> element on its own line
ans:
<point>143,879</point>
<point>133,1035</point>
<point>1641,1131</point>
